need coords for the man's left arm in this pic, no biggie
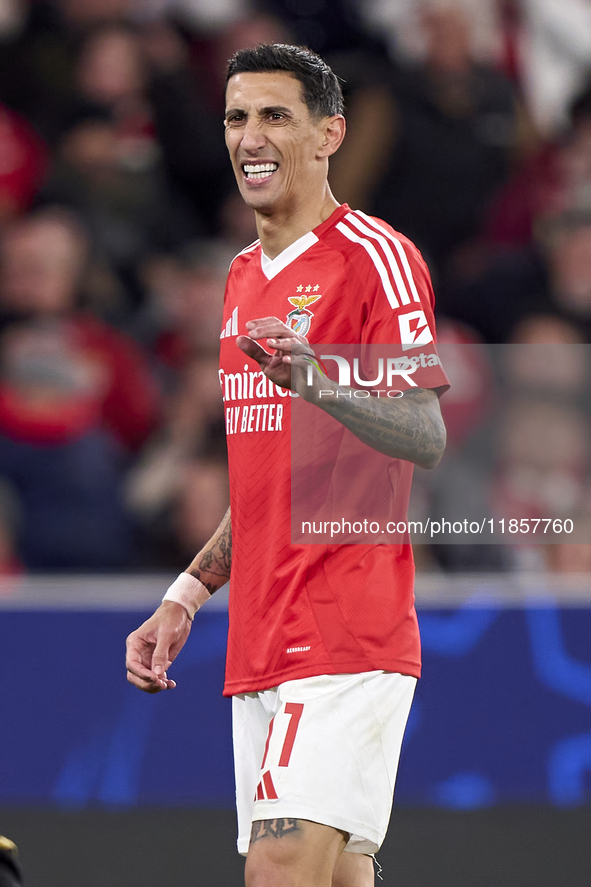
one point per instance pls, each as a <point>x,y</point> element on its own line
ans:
<point>408,427</point>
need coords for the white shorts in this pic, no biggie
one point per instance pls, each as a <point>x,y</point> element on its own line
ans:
<point>323,748</point>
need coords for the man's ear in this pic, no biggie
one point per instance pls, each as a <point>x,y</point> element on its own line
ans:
<point>333,133</point>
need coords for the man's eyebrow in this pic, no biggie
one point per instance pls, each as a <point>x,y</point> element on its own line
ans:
<point>270,109</point>
<point>275,109</point>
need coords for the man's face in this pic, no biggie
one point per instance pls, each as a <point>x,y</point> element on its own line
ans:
<point>273,142</point>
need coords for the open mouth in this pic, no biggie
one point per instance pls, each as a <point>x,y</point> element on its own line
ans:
<point>257,171</point>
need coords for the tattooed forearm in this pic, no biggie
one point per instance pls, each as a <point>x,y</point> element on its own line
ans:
<point>273,828</point>
<point>217,559</point>
<point>408,427</point>
<point>213,564</point>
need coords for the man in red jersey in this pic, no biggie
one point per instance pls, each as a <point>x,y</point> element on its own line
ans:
<point>323,648</point>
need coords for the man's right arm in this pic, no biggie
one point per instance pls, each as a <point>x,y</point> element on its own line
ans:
<point>154,646</point>
<point>213,563</point>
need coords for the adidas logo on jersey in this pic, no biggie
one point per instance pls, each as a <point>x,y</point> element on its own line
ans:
<point>231,327</point>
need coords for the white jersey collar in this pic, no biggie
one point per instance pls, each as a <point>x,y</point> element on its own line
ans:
<point>272,267</point>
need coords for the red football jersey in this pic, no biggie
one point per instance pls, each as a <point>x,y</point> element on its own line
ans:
<point>302,610</point>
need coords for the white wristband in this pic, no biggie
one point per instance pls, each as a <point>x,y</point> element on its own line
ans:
<point>189,592</point>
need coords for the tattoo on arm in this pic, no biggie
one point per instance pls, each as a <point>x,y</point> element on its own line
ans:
<point>408,427</point>
<point>273,828</point>
<point>212,566</point>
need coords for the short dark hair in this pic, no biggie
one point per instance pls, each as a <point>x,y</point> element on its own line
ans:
<point>320,86</point>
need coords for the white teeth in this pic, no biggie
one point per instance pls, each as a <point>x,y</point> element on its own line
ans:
<point>259,170</point>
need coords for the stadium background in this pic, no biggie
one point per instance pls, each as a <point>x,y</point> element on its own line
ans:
<point>470,131</point>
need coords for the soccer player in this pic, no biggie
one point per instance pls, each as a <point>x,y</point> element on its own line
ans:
<point>323,648</point>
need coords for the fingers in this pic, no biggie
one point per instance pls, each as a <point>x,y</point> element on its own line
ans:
<point>151,681</point>
<point>152,648</point>
<point>284,346</point>
<point>252,349</point>
<point>160,658</point>
<point>266,326</point>
<point>150,685</point>
<point>272,327</point>
<point>291,346</point>
<point>141,665</point>
<point>284,342</point>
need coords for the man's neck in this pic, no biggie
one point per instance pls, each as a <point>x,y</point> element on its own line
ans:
<point>277,231</point>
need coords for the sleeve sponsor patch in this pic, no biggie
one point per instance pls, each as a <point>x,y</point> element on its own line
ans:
<point>414,330</point>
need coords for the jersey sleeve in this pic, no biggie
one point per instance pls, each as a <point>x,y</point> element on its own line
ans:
<point>398,298</point>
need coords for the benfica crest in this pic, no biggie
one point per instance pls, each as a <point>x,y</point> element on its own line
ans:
<point>300,318</point>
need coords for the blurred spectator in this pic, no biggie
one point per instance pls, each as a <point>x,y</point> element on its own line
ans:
<point>544,460</point>
<point>10,563</point>
<point>94,12</point>
<point>248,30</point>
<point>43,260</point>
<point>135,93</point>
<point>546,329</point>
<point>127,209</point>
<point>461,490</point>
<point>326,27</point>
<point>399,21</point>
<point>205,16</point>
<point>23,160</point>
<point>360,164</point>
<point>37,63</point>
<point>183,316</point>
<point>552,357</point>
<point>186,455</point>
<point>569,260</point>
<point>544,436</point>
<point>204,480</point>
<point>554,50</point>
<point>75,396</point>
<point>553,276</point>
<point>456,133</point>
<point>238,228</point>
<point>110,73</point>
<point>188,123</point>
<point>554,179</point>
<point>467,405</point>
<point>519,445</point>
<point>108,161</point>
<point>12,18</point>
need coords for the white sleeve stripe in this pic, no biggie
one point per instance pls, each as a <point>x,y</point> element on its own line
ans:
<point>400,286</point>
<point>401,253</point>
<point>375,257</point>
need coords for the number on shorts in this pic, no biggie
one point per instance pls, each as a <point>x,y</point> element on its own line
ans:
<point>294,709</point>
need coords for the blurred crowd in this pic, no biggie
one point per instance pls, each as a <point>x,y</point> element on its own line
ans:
<point>469,130</point>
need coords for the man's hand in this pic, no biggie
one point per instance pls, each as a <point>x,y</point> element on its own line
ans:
<point>155,645</point>
<point>287,366</point>
<point>410,427</point>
